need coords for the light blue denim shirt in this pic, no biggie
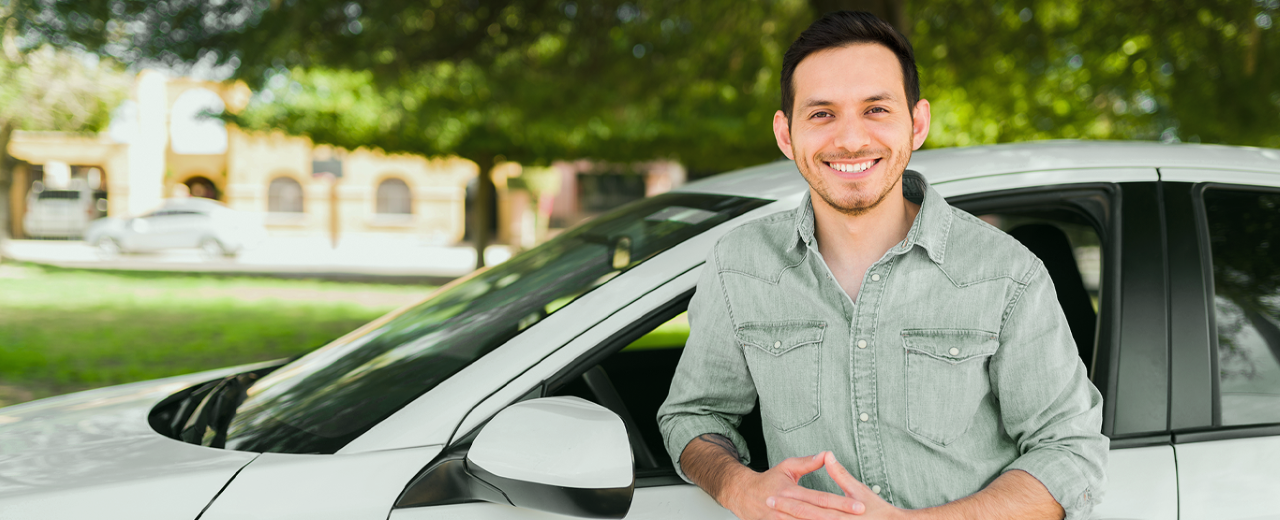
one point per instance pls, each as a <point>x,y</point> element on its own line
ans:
<point>953,365</point>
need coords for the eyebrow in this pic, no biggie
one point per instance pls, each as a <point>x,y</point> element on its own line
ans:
<point>882,96</point>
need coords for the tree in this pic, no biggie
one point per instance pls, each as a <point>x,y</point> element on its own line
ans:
<point>529,81</point>
<point>49,89</point>
<point>536,80</point>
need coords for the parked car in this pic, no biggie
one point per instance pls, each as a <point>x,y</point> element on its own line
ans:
<point>61,213</point>
<point>535,383</point>
<point>190,222</point>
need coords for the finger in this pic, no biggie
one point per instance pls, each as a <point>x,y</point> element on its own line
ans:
<point>825,500</point>
<point>796,467</point>
<point>803,510</point>
<point>851,486</point>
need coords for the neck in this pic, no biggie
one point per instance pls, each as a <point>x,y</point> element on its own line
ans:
<point>854,242</point>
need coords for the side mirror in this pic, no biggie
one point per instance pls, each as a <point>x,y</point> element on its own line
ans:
<point>557,454</point>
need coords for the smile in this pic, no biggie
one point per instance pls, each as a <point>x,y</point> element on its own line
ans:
<point>852,167</point>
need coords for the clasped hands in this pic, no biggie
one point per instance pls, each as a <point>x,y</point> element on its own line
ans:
<point>777,494</point>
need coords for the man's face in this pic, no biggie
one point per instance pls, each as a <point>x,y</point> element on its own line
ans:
<point>851,132</point>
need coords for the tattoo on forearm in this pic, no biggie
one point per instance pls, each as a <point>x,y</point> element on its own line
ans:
<point>723,442</point>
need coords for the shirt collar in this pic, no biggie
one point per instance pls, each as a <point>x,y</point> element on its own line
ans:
<point>929,230</point>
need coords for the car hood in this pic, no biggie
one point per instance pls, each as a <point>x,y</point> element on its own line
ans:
<point>93,454</point>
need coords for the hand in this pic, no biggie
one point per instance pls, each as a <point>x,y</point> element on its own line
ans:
<point>806,504</point>
<point>777,494</point>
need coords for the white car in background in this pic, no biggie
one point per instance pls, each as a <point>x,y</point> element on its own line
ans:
<point>532,387</point>
<point>190,222</point>
<point>61,213</point>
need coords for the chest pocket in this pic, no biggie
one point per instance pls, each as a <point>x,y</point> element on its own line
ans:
<point>946,380</point>
<point>784,358</point>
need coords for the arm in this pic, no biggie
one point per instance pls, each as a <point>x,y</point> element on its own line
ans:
<point>711,461</point>
<point>1014,495</point>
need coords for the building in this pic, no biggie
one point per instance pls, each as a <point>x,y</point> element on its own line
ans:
<point>160,145</point>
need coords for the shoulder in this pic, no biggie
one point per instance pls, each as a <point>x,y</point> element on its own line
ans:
<point>760,248</point>
<point>978,251</point>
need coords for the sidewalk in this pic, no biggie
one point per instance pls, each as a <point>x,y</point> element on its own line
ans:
<point>287,257</point>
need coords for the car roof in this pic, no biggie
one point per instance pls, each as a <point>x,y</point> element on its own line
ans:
<point>780,178</point>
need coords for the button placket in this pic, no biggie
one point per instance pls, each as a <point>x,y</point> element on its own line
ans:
<point>870,451</point>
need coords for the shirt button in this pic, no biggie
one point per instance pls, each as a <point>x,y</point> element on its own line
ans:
<point>778,344</point>
<point>875,489</point>
<point>862,343</point>
<point>864,417</point>
<point>875,277</point>
<point>954,351</point>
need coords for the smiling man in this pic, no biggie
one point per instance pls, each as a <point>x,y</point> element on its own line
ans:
<point>881,330</point>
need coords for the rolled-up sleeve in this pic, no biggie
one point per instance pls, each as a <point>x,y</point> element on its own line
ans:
<point>712,388</point>
<point>1047,403</point>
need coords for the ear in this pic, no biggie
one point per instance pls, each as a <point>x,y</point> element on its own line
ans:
<point>782,132</point>
<point>919,124</point>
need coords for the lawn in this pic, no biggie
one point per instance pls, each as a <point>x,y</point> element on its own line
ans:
<point>63,330</point>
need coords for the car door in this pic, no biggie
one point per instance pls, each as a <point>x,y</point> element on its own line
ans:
<point>1224,240</point>
<point>1142,469</point>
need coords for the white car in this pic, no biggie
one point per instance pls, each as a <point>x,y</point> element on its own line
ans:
<point>529,390</point>
<point>61,213</point>
<point>191,222</point>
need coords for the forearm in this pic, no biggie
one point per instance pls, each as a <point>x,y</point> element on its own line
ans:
<point>1014,495</point>
<point>712,461</point>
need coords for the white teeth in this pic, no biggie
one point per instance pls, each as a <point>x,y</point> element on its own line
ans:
<point>852,168</point>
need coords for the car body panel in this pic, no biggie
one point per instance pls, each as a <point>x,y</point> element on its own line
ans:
<point>1142,483</point>
<point>1229,479</point>
<point>67,456</point>
<point>653,503</point>
<point>1013,181</point>
<point>338,487</point>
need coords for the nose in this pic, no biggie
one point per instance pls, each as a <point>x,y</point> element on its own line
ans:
<point>852,134</point>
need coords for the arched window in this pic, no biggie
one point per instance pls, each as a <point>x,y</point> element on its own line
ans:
<point>284,195</point>
<point>393,198</point>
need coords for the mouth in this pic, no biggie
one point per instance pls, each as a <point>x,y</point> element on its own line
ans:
<point>852,168</point>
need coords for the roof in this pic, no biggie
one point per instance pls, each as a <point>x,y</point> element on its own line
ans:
<point>780,178</point>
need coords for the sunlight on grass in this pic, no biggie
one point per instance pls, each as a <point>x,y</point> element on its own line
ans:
<point>64,330</point>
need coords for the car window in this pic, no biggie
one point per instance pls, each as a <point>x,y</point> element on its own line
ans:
<point>327,398</point>
<point>1071,250</point>
<point>59,195</point>
<point>1244,237</point>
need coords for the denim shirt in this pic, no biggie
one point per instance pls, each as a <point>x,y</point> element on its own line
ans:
<point>953,365</point>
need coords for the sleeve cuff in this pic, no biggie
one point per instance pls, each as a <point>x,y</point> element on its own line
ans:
<point>1068,485</point>
<point>685,429</point>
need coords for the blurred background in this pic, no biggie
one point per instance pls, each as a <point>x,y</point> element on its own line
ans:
<point>190,184</point>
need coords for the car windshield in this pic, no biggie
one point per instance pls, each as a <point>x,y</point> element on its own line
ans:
<point>322,401</point>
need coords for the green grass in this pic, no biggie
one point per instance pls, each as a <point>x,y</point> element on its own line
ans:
<point>63,330</point>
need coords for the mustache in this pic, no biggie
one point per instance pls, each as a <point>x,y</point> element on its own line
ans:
<point>843,156</point>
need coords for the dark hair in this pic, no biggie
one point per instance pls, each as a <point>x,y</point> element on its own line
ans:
<point>842,28</point>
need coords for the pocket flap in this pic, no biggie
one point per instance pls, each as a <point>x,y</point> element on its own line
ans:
<point>779,337</point>
<point>951,345</point>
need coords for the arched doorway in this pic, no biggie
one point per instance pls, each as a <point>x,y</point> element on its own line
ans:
<point>203,187</point>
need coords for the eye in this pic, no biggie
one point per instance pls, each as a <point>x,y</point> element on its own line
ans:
<point>874,110</point>
<point>820,114</point>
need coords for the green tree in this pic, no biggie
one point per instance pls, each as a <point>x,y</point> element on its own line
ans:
<point>49,89</point>
<point>529,81</point>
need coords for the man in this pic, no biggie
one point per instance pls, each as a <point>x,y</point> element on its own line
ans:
<point>882,330</point>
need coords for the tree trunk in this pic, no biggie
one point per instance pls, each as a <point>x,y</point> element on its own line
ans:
<point>6,177</point>
<point>484,207</point>
<point>892,11</point>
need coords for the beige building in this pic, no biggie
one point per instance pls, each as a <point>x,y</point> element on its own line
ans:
<point>160,146</point>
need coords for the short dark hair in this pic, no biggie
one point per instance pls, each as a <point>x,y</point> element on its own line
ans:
<point>841,28</point>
